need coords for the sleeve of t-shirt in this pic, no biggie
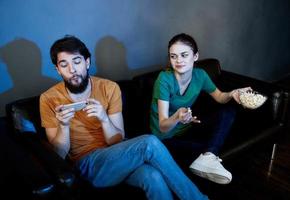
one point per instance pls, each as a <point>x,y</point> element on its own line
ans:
<point>47,113</point>
<point>161,88</point>
<point>115,100</point>
<point>208,84</point>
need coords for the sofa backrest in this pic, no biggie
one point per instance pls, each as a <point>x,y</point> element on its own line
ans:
<point>140,108</point>
<point>24,115</point>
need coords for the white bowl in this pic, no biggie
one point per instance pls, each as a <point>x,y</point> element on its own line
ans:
<point>252,100</point>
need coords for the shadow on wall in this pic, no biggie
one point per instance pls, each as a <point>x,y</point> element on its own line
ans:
<point>23,60</point>
<point>111,60</point>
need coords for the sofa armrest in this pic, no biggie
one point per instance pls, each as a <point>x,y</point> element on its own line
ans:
<point>276,103</point>
<point>61,171</point>
<point>24,122</point>
<point>21,173</point>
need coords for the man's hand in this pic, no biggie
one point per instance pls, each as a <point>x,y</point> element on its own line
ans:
<point>64,115</point>
<point>95,109</point>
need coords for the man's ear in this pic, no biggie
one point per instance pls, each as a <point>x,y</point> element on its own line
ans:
<point>88,62</point>
<point>196,56</point>
<point>57,70</point>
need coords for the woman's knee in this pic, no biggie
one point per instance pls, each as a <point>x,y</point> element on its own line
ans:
<point>229,112</point>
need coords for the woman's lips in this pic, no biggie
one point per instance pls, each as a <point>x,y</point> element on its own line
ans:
<point>179,66</point>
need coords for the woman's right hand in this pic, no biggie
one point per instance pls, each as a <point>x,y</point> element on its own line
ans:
<point>184,116</point>
<point>64,115</point>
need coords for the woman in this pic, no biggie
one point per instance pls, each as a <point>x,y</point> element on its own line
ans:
<point>174,93</point>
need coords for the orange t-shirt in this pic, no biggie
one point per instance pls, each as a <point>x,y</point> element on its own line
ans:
<point>86,133</point>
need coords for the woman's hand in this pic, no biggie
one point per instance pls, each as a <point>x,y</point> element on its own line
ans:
<point>95,109</point>
<point>184,116</point>
<point>235,94</point>
<point>64,115</point>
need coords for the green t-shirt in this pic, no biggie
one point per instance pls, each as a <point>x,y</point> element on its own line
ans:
<point>166,88</point>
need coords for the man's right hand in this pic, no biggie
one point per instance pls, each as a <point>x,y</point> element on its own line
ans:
<point>64,115</point>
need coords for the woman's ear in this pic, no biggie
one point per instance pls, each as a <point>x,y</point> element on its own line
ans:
<point>196,56</point>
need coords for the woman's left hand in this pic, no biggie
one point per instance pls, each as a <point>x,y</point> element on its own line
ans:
<point>235,94</point>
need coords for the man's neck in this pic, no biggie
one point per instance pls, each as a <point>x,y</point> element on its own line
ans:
<point>81,96</point>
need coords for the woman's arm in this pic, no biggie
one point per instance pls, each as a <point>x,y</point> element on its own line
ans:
<point>224,97</point>
<point>166,122</point>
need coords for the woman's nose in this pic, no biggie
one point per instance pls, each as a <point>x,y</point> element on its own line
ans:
<point>178,59</point>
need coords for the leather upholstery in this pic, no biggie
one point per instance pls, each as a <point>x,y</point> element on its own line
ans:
<point>24,117</point>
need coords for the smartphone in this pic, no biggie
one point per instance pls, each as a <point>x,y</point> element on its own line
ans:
<point>77,106</point>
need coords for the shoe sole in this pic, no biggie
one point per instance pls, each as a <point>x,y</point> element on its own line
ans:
<point>214,177</point>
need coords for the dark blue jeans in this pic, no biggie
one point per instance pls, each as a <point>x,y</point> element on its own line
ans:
<point>208,136</point>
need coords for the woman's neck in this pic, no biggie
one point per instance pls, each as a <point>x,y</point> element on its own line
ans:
<point>183,80</point>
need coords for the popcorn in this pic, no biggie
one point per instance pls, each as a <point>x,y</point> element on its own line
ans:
<point>252,100</point>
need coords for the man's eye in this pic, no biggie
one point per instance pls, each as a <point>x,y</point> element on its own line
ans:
<point>63,65</point>
<point>77,61</point>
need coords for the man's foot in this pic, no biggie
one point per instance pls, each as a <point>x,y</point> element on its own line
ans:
<point>209,166</point>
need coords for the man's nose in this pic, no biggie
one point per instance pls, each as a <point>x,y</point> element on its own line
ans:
<point>72,68</point>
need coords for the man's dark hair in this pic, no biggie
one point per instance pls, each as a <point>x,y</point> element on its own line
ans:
<point>69,44</point>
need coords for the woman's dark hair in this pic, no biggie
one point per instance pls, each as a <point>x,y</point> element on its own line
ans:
<point>69,44</point>
<point>185,39</point>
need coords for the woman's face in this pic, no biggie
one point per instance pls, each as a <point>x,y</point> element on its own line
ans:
<point>182,57</point>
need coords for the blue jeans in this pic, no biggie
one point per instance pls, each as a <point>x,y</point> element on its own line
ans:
<point>209,135</point>
<point>143,162</point>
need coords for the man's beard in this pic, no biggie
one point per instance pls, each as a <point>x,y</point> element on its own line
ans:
<point>77,89</point>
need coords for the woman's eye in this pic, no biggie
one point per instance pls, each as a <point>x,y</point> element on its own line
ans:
<point>173,56</point>
<point>184,55</point>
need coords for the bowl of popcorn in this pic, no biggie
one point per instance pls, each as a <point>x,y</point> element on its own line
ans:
<point>251,99</point>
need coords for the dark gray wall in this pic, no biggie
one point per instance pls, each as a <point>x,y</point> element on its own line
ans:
<point>129,37</point>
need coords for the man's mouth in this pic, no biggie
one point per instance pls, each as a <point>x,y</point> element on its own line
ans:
<point>75,78</point>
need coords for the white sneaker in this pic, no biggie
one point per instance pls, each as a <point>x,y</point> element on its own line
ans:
<point>209,166</point>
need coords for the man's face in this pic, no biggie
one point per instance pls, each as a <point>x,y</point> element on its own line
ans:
<point>74,70</point>
<point>182,57</point>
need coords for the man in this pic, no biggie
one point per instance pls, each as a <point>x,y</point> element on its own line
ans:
<point>92,137</point>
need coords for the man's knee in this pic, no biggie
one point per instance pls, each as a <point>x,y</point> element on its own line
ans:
<point>152,178</point>
<point>152,140</point>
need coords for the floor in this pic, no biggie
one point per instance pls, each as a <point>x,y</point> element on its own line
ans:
<point>259,173</point>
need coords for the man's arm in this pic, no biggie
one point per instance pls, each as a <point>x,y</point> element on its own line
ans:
<point>113,126</point>
<point>60,137</point>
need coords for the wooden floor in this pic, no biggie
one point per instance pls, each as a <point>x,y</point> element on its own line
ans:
<point>258,174</point>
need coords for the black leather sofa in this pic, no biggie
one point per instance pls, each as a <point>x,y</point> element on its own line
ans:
<point>250,126</point>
